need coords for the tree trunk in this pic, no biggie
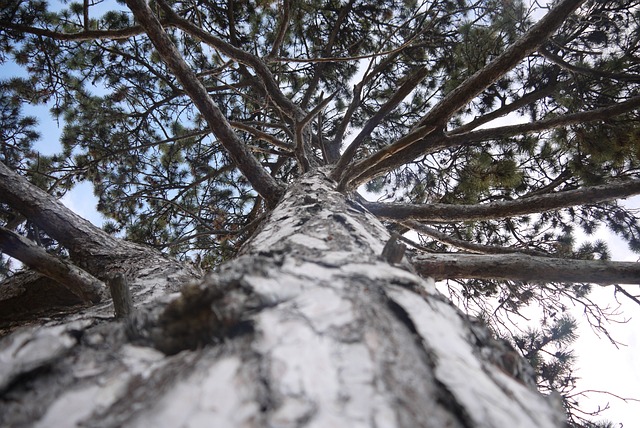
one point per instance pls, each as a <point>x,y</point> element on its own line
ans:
<point>308,326</point>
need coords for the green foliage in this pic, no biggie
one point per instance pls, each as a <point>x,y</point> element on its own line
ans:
<point>17,132</point>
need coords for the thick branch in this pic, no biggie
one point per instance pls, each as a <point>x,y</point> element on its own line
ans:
<point>482,79</point>
<point>521,267</point>
<point>243,57</point>
<point>76,280</point>
<point>465,92</point>
<point>553,201</point>
<point>261,181</point>
<point>439,141</point>
<point>78,235</point>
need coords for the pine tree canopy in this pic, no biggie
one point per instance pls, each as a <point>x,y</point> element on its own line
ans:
<point>503,134</point>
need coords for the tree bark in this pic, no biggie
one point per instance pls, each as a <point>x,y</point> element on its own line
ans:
<point>448,213</point>
<point>524,267</point>
<point>308,326</point>
<point>84,241</point>
<point>76,280</point>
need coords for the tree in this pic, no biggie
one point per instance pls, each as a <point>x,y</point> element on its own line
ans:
<point>242,132</point>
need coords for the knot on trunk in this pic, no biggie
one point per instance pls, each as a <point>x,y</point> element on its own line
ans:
<point>203,314</point>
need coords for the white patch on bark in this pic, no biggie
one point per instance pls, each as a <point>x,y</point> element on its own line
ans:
<point>491,398</point>
<point>35,347</point>
<point>76,405</point>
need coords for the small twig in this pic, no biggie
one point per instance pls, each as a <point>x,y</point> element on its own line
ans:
<point>626,293</point>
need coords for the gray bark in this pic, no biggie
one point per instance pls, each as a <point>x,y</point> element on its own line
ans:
<point>76,280</point>
<point>308,326</point>
<point>446,213</point>
<point>525,267</point>
<point>87,245</point>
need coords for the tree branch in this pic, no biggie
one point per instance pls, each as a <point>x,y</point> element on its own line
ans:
<point>260,135</point>
<point>466,91</point>
<point>521,267</point>
<point>262,71</point>
<point>261,181</point>
<point>438,141</point>
<point>626,293</point>
<point>624,77</point>
<point>466,245</point>
<point>81,36</point>
<point>80,237</point>
<point>535,204</point>
<point>407,87</point>
<point>69,276</point>
<point>544,125</point>
<point>319,67</point>
<point>283,26</point>
<point>506,109</point>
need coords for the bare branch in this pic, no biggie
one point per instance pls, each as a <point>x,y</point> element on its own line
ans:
<point>448,213</point>
<point>521,267</point>
<point>466,245</point>
<point>629,295</point>
<point>262,182</point>
<point>283,26</point>
<point>85,15</point>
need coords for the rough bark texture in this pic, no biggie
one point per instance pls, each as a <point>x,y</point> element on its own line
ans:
<point>525,267</point>
<point>76,280</point>
<point>83,240</point>
<point>308,326</point>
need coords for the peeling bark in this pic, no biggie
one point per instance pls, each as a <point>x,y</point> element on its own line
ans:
<point>308,326</point>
